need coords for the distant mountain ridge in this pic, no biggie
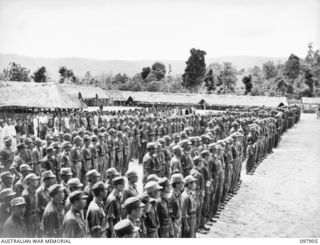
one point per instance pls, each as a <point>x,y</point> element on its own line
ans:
<point>96,67</point>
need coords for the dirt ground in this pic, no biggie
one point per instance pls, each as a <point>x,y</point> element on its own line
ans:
<point>282,198</point>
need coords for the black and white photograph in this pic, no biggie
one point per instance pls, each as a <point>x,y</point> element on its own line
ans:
<point>159,119</point>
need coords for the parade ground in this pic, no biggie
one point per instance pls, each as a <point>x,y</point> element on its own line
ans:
<point>282,198</point>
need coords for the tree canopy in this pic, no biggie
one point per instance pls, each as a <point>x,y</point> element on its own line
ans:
<point>66,74</point>
<point>195,69</point>
<point>40,75</point>
<point>16,72</point>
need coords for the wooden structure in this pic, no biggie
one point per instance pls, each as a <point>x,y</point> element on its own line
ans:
<point>310,104</point>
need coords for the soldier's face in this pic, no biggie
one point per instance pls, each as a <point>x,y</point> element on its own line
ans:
<point>20,210</point>
<point>59,197</point>
<point>166,189</point>
<point>8,181</point>
<point>35,184</point>
<point>134,179</point>
<point>121,187</point>
<point>180,186</point>
<point>66,178</point>
<point>96,179</point>
<point>137,213</point>
<point>104,193</point>
<point>82,203</point>
<point>156,194</point>
<point>49,181</point>
<point>152,151</point>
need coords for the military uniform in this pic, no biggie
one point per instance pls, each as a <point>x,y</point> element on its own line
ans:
<point>164,218</point>
<point>112,148</point>
<point>119,154</point>
<point>186,163</point>
<point>7,156</point>
<point>86,157</point>
<point>42,199</point>
<point>94,157</point>
<point>31,215</point>
<point>76,161</point>
<point>135,142</point>
<point>52,220</point>
<point>129,191</point>
<point>199,195</point>
<point>152,221</point>
<point>174,206</point>
<point>73,225</point>
<point>189,214</point>
<point>36,157</point>
<point>150,166</point>
<point>102,164</point>
<point>113,211</point>
<point>143,144</point>
<point>96,217</point>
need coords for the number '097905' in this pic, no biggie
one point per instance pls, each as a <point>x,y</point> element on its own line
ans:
<point>312,241</point>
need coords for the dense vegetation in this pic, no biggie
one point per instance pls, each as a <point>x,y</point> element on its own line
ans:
<point>295,78</point>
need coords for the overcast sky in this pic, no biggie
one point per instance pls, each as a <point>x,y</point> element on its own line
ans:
<point>162,29</point>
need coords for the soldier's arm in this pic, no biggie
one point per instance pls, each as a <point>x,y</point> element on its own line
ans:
<point>110,216</point>
<point>184,210</point>
<point>96,226</point>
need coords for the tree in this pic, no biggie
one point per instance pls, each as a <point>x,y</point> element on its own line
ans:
<point>170,70</point>
<point>195,69</point>
<point>66,74</point>
<point>145,72</point>
<point>120,79</point>
<point>292,67</point>
<point>16,72</point>
<point>255,71</point>
<point>269,70</point>
<point>88,79</point>
<point>281,86</point>
<point>228,77</point>
<point>40,75</point>
<point>308,80</point>
<point>134,84</point>
<point>247,81</point>
<point>209,81</point>
<point>63,73</point>
<point>153,86</point>
<point>159,70</point>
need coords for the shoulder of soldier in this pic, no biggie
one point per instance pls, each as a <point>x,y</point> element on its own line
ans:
<point>39,189</point>
<point>184,195</point>
<point>93,207</point>
<point>9,224</point>
<point>49,210</point>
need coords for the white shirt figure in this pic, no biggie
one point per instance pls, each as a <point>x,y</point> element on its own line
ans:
<point>56,125</point>
<point>13,136</point>
<point>35,125</point>
<point>67,122</point>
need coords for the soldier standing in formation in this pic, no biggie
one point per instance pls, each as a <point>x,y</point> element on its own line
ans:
<point>191,169</point>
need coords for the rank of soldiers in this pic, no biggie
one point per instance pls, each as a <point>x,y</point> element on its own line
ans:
<point>80,184</point>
